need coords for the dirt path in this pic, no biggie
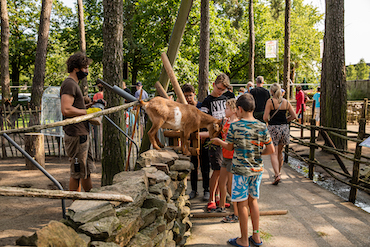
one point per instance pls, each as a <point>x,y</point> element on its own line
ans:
<point>23,216</point>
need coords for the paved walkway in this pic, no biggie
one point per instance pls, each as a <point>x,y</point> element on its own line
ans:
<point>316,217</point>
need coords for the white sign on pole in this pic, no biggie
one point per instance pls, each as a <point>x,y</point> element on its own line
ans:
<point>271,48</point>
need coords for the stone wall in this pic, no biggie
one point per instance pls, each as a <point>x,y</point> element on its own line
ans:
<point>158,216</point>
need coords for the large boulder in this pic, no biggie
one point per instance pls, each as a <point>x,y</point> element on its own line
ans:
<point>130,225</point>
<point>84,211</point>
<point>54,234</point>
<point>100,229</point>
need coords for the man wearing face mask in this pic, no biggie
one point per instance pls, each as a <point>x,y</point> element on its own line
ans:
<point>76,136</point>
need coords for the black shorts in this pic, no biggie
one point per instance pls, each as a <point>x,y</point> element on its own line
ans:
<point>215,157</point>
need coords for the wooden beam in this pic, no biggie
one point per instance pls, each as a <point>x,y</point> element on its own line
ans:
<point>61,194</point>
<point>215,215</point>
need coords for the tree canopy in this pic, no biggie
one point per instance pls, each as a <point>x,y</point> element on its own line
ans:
<point>147,29</point>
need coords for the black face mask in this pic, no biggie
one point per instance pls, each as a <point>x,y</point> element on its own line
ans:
<point>80,74</point>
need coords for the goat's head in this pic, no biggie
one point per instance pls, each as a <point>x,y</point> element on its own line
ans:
<point>216,128</point>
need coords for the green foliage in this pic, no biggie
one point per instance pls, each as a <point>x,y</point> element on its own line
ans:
<point>351,73</point>
<point>148,26</point>
<point>356,94</point>
<point>362,70</point>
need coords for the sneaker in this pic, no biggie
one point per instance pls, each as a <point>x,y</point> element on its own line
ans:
<point>211,206</point>
<point>193,194</point>
<point>230,219</point>
<point>220,210</point>
<point>206,196</point>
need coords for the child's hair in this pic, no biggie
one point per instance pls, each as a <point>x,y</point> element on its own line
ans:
<point>276,91</point>
<point>246,102</point>
<point>224,79</point>
<point>78,60</point>
<point>231,103</point>
<point>188,88</point>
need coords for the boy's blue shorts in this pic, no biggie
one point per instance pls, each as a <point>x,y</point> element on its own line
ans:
<point>243,186</point>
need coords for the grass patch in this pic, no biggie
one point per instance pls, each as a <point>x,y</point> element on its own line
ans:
<point>322,234</point>
<point>265,236</point>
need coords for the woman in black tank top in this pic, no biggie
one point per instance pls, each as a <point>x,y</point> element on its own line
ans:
<point>278,125</point>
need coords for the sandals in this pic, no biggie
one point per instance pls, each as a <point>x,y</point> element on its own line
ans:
<point>254,242</point>
<point>277,180</point>
<point>233,242</point>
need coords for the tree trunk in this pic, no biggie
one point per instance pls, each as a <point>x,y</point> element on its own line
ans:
<point>15,79</point>
<point>251,41</point>
<point>81,24</point>
<point>286,79</point>
<point>113,143</point>
<point>333,75</point>
<point>40,59</point>
<point>5,78</point>
<point>203,50</point>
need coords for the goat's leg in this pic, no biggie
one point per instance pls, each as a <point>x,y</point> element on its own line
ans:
<point>185,143</point>
<point>158,142</point>
<point>152,133</point>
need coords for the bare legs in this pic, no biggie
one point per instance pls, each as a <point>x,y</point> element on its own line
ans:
<point>74,184</point>
<point>243,220</point>
<point>277,162</point>
<point>222,186</point>
<point>213,185</point>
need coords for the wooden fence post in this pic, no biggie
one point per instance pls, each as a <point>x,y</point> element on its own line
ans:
<point>302,119</point>
<point>356,164</point>
<point>312,148</point>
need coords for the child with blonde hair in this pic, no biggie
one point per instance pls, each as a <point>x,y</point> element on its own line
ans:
<point>225,179</point>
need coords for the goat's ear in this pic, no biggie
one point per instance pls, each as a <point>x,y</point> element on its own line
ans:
<point>216,126</point>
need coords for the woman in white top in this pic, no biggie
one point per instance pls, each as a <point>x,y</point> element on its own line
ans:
<point>276,110</point>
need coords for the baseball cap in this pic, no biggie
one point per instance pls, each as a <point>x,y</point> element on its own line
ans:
<point>139,83</point>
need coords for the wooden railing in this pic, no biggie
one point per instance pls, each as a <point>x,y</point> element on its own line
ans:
<point>350,178</point>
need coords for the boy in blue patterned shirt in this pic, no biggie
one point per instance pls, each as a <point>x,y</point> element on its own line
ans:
<point>247,137</point>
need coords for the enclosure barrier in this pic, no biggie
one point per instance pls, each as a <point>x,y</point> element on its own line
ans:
<point>357,157</point>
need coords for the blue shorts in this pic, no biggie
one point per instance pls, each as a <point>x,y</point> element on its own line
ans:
<point>244,186</point>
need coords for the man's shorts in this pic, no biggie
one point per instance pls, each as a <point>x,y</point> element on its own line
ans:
<point>317,114</point>
<point>79,147</point>
<point>243,186</point>
<point>215,157</point>
<point>226,163</point>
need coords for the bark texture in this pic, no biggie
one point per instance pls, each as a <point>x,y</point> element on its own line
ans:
<point>40,59</point>
<point>203,50</point>
<point>5,77</point>
<point>113,142</point>
<point>81,24</point>
<point>333,76</point>
<point>286,78</point>
<point>251,41</point>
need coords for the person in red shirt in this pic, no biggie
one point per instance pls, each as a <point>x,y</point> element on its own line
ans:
<point>225,179</point>
<point>299,96</point>
<point>100,94</point>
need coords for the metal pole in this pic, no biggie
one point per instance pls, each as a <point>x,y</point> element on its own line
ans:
<point>115,125</point>
<point>39,167</point>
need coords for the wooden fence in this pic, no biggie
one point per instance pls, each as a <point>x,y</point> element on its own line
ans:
<point>342,175</point>
<point>20,117</point>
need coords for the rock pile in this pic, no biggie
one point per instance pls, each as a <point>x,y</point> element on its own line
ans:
<point>158,216</point>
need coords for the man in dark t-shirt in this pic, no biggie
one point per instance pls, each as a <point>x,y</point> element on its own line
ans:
<point>261,95</point>
<point>77,135</point>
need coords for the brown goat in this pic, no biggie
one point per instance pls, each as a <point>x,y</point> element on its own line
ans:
<point>165,113</point>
